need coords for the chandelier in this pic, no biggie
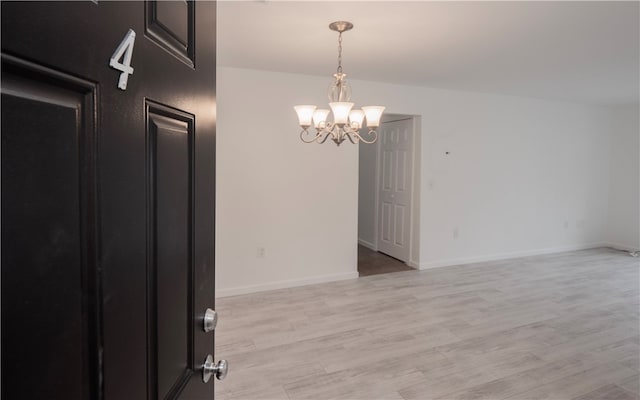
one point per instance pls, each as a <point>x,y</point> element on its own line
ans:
<point>347,121</point>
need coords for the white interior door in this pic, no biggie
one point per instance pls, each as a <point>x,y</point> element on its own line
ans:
<point>394,206</point>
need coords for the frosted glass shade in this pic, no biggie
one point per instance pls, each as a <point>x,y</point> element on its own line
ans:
<point>373,114</point>
<point>355,118</point>
<point>340,111</point>
<point>305,115</point>
<point>320,117</point>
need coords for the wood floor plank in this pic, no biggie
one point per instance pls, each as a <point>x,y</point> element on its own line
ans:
<point>578,384</point>
<point>559,326</point>
<point>267,381</point>
<point>443,386</point>
<point>608,392</point>
<point>631,384</point>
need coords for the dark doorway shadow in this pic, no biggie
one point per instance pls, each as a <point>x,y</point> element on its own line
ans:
<point>373,263</point>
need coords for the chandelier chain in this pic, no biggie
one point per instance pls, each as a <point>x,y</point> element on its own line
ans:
<point>340,53</point>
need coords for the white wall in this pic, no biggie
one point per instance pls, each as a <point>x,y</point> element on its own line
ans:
<point>523,176</point>
<point>624,185</point>
<point>297,201</point>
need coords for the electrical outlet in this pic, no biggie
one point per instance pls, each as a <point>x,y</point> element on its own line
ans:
<point>456,233</point>
<point>260,252</point>
<point>566,224</point>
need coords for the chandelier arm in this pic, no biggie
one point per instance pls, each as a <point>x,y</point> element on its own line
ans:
<point>302,134</point>
<point>349,133</point>
<point>332,130</point>
<point>326,136</point>
<point>372,133</point>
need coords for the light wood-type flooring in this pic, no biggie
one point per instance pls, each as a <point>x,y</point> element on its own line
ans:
<point>561,326</point>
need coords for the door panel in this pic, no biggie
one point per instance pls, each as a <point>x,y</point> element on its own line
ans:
<point>171,25</point>
<point>399,226</point>
<point>386,222</point>
<point>144,188</point>
<point>48,233</point>
<point>170,154</point>
<point>387,170</point>
<point>395,188</point>
<point>401,171</point>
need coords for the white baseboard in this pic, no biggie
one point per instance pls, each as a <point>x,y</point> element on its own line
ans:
<point>285,284</point>
<point>506,256</point>
<point>422,266</point>
<point>624,247</point>
<point>368,245</point>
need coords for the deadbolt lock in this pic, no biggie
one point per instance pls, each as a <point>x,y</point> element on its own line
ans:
<point>210,320</point>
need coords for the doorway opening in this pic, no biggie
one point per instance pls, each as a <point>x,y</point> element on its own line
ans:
<point>387,212</point>
<point>372,262</point>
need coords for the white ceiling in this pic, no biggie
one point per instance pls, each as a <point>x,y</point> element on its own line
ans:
<point>577,51</point>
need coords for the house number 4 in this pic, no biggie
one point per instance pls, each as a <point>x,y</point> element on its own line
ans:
<point>121,59</point>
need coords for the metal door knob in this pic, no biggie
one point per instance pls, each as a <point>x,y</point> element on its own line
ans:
<point>210,320</point>
<point>209,368</point>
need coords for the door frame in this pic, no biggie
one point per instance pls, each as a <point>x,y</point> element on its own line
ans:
<point>414,204</point>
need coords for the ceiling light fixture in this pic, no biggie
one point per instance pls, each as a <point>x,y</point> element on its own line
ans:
<point>346,121</point>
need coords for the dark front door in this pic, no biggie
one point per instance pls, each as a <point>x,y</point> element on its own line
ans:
<point>108,169</point>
